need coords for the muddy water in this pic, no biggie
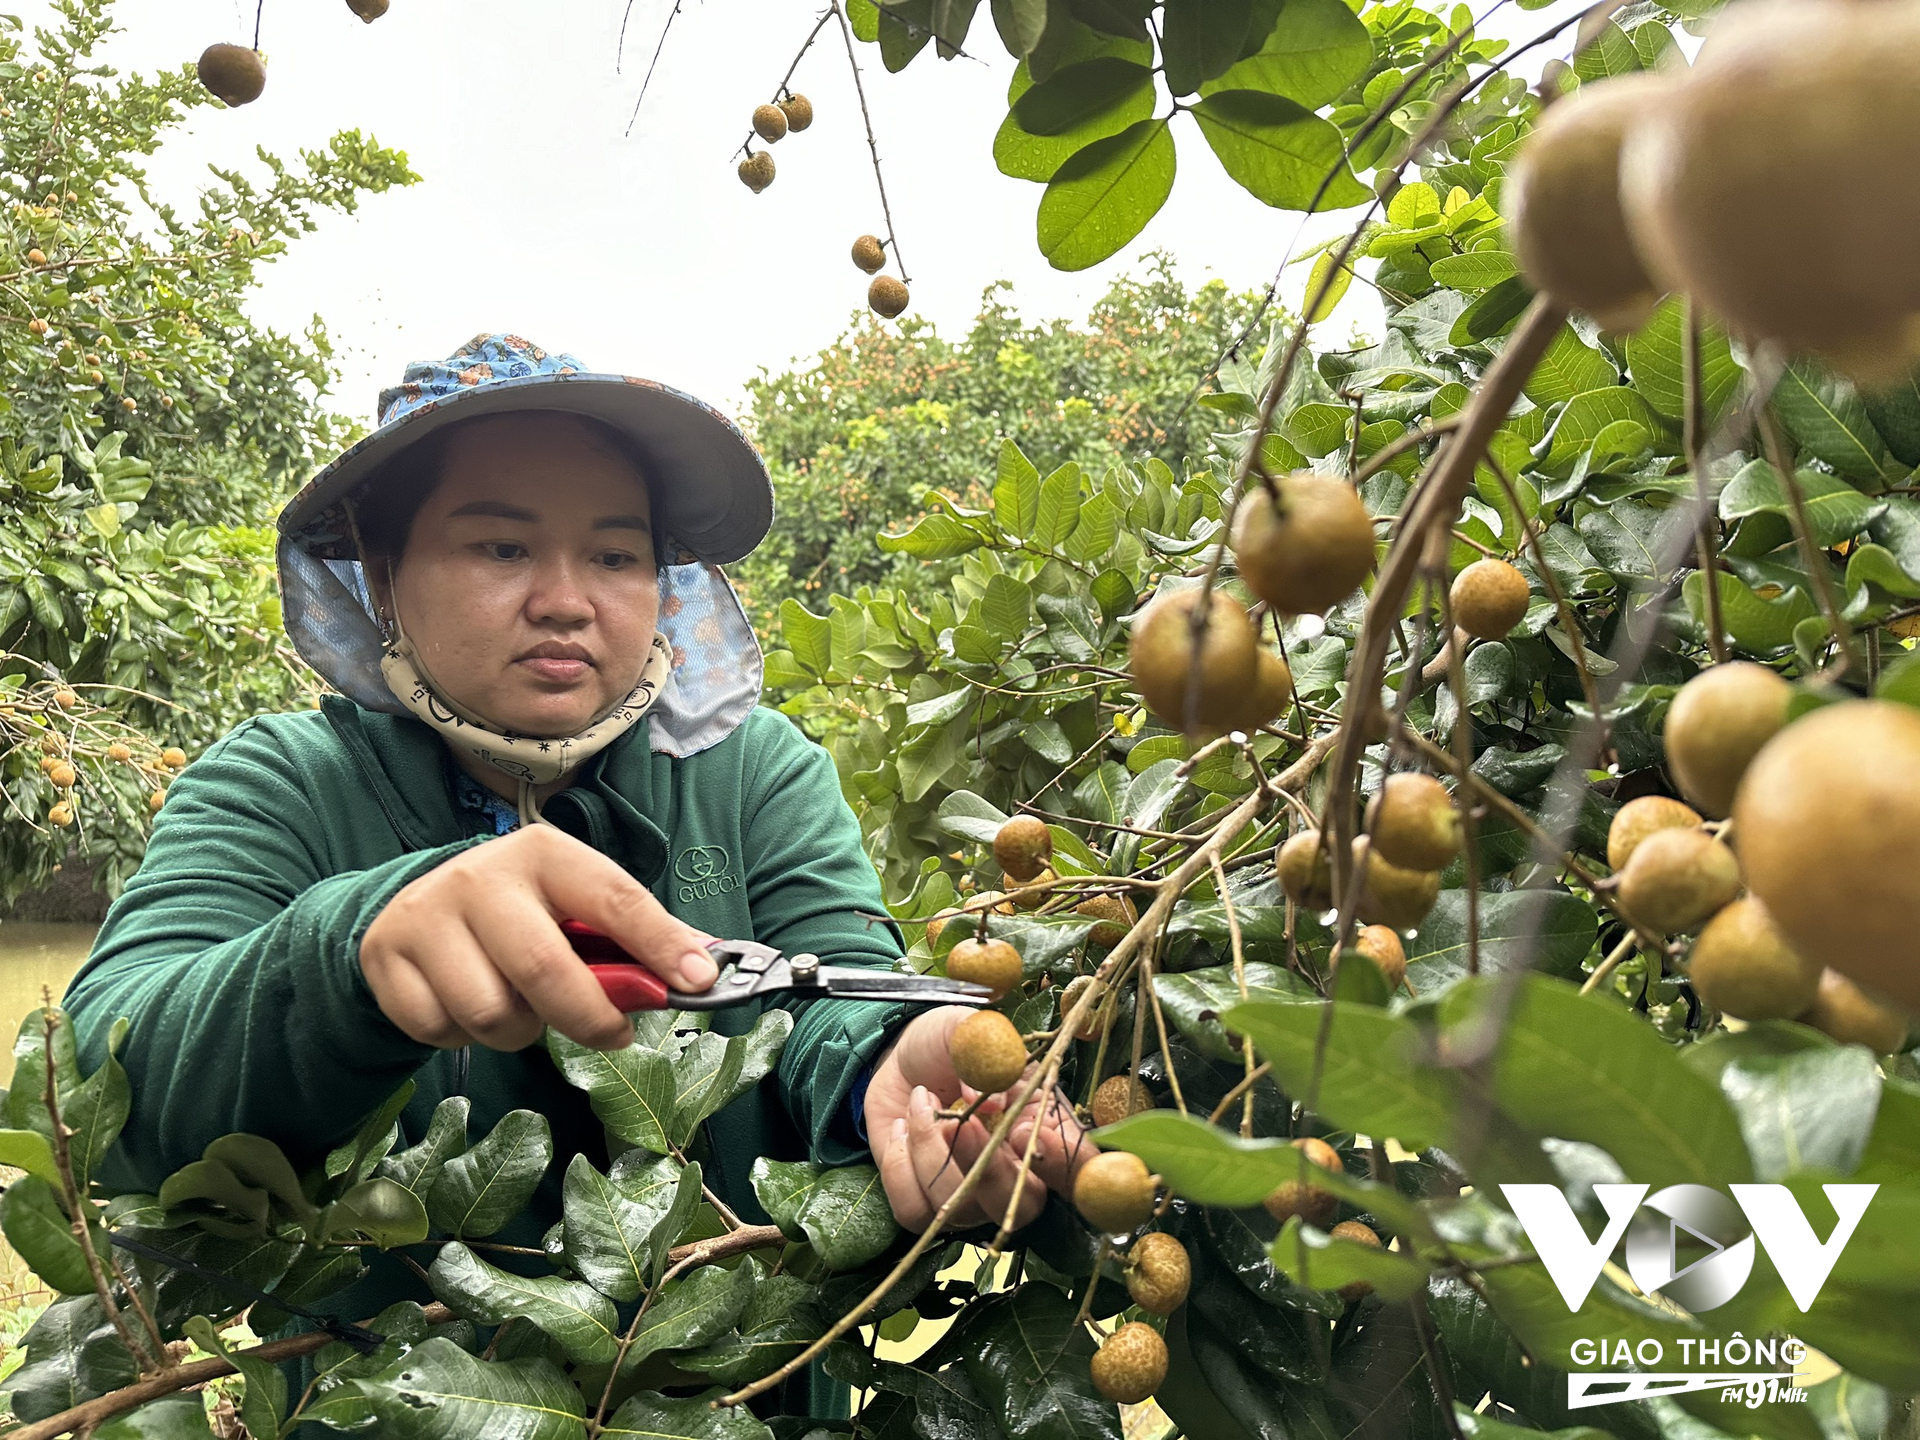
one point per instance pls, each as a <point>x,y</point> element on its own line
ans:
<point>32,957</point>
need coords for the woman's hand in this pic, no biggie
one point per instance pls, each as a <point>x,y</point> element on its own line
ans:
<point>923,1158</point>
<point>471,952</point>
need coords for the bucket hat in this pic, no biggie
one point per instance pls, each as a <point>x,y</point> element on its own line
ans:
<point>712,489</point>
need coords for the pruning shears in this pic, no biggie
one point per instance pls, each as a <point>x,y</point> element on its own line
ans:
<point>750,970</point>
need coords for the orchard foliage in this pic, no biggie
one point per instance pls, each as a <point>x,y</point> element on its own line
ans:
<point>148,431</point>
<point>857,436</point>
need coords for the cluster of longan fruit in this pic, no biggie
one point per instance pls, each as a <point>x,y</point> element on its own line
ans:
<point>57,761</point>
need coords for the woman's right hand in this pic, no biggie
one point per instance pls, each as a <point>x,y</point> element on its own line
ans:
<point>471,952</point>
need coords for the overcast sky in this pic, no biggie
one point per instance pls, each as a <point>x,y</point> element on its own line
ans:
<point>645,254</point>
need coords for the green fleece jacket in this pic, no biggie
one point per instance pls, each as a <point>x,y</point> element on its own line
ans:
<point>235,949</point>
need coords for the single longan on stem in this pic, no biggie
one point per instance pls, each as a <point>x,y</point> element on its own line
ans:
<point>869,254</point>
<point>1207,696</point>
<point>1301,866</point>
<point>1562,202</point>
<point>1637,819</point>
<point>1382,946</point>
<point>233,73</point>
<point>1745,966</point>
<point>1159,1273</point>
<point>1314,1206</point>
<point>1119,1096</point>
<point>799,112</point>
<point>1130,1364</point>
<point>1115,916</point>
<point>1023,846</point>
<point>1359,1234</point>
<point>1828,825</point>
<point>992,963</point>
<point>1717,724</point>
<point>1414,823</point>
<point>1489,598</point>
<point>987,1052</point>
<point>1114,1192</point>
<point>1678,879</point>
<point>1393,894</point>
<point>887,296</point>
<point>756,171</point>
<point>1309,552</point>
<point>769,123</point>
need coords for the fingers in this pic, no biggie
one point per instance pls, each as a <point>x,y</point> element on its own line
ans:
<point>897,1176</point>
<point>529,956</point>
<point>938,1160</point>
<point>408,1000</point>
<point>576,882</point>
<point>923,1051</point>
<point>476,996</point>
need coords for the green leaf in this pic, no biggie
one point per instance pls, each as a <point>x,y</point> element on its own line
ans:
<point>1200,38</point>
<point>1801,1103</point>
<point>28,1150</point>
<point>692,1311</point>
<point>1587,415</point>
<point>349,1163</point>
<point>257,1161</point>
<point>717,1069</point>
<point>171,1417</point>
<point>779,1321</point>
<point>1492,313</point>
<point>1039,157</point>
<point>1320,1261</point>
<point>1104,195</point>
<point>1758,626</point>
<point>418,1166</point>
<point>480,1191</point>
<point>807,636</point>
<point>684,1206</point>
<point>651,1416</point>
<point>1835,510</point>
<point>263,1400</point>
<point>1027,1361</point>
<point>1895,412</point>
<point>1549,930</point>
<point>1278,151</point>
<point>73,1354</point>
<point>576,1315</point>
<point>1579,1067</point>
<point>41,1234</point>
<point>213,1182</point>
<point>842,1212</point>
<point>384,1210</point>
<point>1319,49</point>
<point>437,1391</point>
<point>1335,285</point>
<point>1006,607</point>
<point>631,1090</point>
<point>1478,270</point>
<point>1194,1000</point>
<point>1825,414</point>
<point>1370,1082</point>
<point>938,536</point>
<point>1077,96</point>
<point>1016,493</point>
<point>1059,506</point>
<point>1569,367</point>
<point>1656,361</point>
<point>1021,24</point>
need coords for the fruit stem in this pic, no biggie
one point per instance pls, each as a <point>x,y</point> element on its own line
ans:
<point>1811,555</point>
<point>1607,966</point>
<point>873,147</point>
<point>1694,427</point>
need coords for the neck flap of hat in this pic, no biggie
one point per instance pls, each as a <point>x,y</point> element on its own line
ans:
<point>716,663</point>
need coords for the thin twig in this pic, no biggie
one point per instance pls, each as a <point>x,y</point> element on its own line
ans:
<point>1693,437</point>
<point>873,146</point>
<point>1811,555</point>
<point>665,29</point>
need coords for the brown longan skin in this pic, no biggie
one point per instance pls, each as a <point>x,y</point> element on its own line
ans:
<point>799,112</point>
<point>1717,724</point>
<point>887,297</point>
<point>1392,894</point>
<point>1161,661</point>
<point>1744,965</point>
<point>1070,997</point>
<point>1842,1011</point>
<point>1314,1206</point>
<point>1115,914</point>
<point>769,123</point>
<point>1489,598</point>
<point>1382,946</point>
<point>1130,1364</point>
<point>757,171</point>
<point>1360,1234</point>
<point>1312,551</point>
<point>987,1052</point>
<point>1677,880</point>
<point>1159,1273</point>
<point>1639,818</point>
<point>1300,865</point>
<point>1414,822</point>
<point>1022,846</point>
<point>1117,1097</point>
<point>869,254</point>
<point>233,73</point>
<point>992,963</point>
<point>1114,1193</point>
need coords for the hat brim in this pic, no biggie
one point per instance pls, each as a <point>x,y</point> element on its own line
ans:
<point>703,472</point>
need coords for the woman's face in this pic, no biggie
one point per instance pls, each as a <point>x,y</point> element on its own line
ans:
<point>528,584</point>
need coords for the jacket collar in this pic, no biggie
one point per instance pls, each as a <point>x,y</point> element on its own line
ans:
<point>408,771</point>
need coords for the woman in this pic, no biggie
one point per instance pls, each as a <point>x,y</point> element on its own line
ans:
<point>547,710</point>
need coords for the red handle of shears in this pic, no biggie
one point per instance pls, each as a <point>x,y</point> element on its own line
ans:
<point>628,983</point>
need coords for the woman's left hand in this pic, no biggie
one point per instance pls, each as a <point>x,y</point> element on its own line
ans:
<point>923,1158</point>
